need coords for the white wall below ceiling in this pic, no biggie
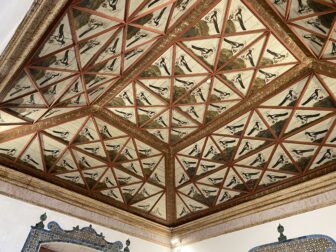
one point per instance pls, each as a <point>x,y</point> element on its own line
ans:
<point>17,217</point>
<point>11,14</point>
<point>321,221</point>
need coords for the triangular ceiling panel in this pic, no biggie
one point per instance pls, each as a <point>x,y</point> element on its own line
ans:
<point>313,22</point>
<point>13,148</point>
<point>156,20</point>
<point>119,98</point>
<point>160,209</point>
<point>113,9</point>
<point>180,9</point>
<point>240,18</point>
<point>51,150</point>
<point>65,163</point>
<point>32,155</point>
<point>92,176</point>
<point>21,86</point>
<point>60,38</point>
<point>9,121</point>
<point>65,60</point>
<point>72,177</point>
<point>87,24</point>
<point>93,154</point>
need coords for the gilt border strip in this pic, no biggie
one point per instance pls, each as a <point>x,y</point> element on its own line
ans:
<point>38,192</point>
<point>307,196</point>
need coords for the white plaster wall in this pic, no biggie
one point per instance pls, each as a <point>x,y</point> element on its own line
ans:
<point>16,217</point>
<point>321,221</point>
<point>11,14</point>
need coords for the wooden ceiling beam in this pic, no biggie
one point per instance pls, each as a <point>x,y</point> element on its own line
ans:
<point>129,127</point>
<point>280,28</point>
<point>324,67</point>
<point>27,35</point>
<point>41,125</point>
<point>257,96</point>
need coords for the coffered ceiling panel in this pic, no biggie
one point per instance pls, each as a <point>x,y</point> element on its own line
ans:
<point>209,70</point>
<point>286,136</point>
<point>97,157</point>
<point>91,45</point>
<point>174,109</point>
<point>313,22</point>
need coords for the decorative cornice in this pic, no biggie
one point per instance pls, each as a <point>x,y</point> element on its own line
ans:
<point>307,196</point>
<point>30,31</point>
<point>35,191</point>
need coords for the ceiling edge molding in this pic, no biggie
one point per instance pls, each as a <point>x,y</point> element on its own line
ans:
<point>307,196</point>
<point>23,187</point>
<point>37,20</point>
<point>313,194</point>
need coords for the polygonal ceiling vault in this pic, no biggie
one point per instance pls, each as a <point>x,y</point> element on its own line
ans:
<point>175,109</point>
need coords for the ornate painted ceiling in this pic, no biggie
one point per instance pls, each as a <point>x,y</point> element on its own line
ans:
<point>176,109</point>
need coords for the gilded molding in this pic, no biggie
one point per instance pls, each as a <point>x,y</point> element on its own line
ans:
<point>253,100</point>
<point>307,196</point>
<point>38,192</point>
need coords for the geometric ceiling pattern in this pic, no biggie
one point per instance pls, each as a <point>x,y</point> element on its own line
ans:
<point>283,138</point>
<point>227,110</point>
<point>314,24</point>
<point>90,47</point>
<point>96,156</point>
<point>210,69</point>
